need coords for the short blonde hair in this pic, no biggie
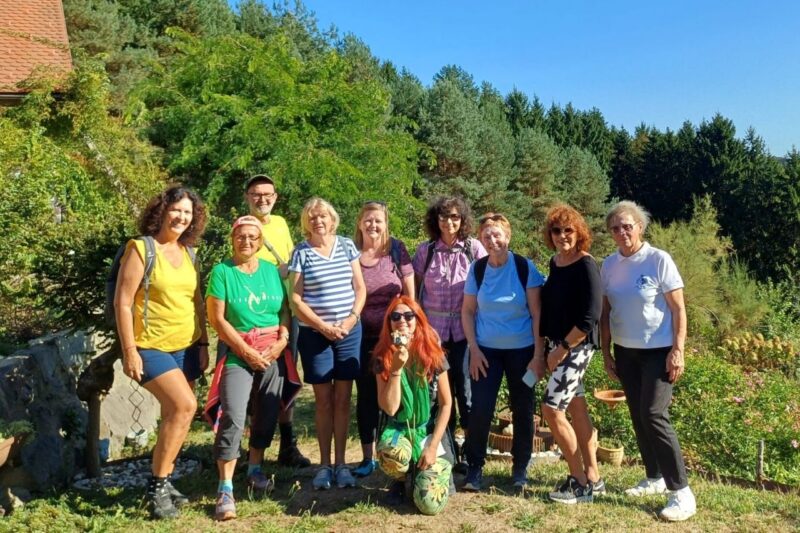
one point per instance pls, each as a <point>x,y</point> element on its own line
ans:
<point>311,205</point>
<point>494,219</point>
<point>358,238</point>
<point>627,207</point>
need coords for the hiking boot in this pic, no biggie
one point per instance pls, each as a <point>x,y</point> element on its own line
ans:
<point>571,492</point>
<point>598,487</point>
<point>365,468</point>
<point>225,508</point>
<point>159,503</point>
<point>461,467</point>
<point>344,478</point>
<point>323,478</point>
<point>259,481</point>
<point>474,479</point>
<point>648,486</point>
<point>681,506</point>
<point>178,498</point>
<point>291,456</point>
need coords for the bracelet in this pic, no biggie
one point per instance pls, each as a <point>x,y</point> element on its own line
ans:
<point>285,336</point>
<point>203,344</point>
<point>353,313</point>
<point>396,374</point>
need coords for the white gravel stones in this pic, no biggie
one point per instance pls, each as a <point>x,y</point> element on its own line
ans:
<point>131,474</point>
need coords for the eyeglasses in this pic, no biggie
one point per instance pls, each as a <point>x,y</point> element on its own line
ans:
<point>493,217</point>
<point>444,217</point>
<point>247,238</point>
<point>555,230</point>
<point>396,316</point>
<point>627,228</point>
<point>258,196</point>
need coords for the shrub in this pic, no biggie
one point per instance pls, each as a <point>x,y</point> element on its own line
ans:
<point>720,414</point>
<point>754,352</point>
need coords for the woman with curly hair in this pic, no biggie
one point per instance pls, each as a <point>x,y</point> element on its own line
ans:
<point>440,271</point>
<point>571,304</point>
<point>162,327</point>
<point>414,391</point>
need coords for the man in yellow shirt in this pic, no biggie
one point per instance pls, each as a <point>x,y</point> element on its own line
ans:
<point>261,197</point>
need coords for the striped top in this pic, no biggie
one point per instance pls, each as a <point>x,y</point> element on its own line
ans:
<point>327,281</point>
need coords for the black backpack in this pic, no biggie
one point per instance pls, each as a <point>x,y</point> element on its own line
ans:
<point>520,262</point>
<point>149,265</point>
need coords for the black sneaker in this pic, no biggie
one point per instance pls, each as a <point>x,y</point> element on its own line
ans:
<point>291,456</point>
<point>461,468</point>
<point>571,492</point>
<point>178,498</point>
<point>159,503</point>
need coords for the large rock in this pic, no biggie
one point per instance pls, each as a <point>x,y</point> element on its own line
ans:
<point>37,383</point>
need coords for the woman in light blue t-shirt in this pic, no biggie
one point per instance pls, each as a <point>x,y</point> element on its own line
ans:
<point>501,299</point>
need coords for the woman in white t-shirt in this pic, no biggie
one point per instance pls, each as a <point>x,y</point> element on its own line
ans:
<point>644,315</point>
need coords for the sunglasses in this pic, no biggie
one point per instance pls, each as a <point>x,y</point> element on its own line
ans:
<point>555,230</point>
<point>396,316</point>
<point>493,218</point>
<point>455,217</point>
<point>627,228</point>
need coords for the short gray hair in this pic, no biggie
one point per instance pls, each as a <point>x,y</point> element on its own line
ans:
<point>627,207</point>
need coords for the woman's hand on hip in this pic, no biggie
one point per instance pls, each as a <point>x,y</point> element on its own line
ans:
<point>555,357</point>
<point>675,364</point>
<point>428,457</point>
<point>132,365</point>
<point>478,364</point>
<point>611,367</point>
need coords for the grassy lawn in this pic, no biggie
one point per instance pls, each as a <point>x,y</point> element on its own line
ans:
<point>295,507</point>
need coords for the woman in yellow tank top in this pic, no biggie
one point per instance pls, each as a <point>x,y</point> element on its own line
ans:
<point>169,348</point>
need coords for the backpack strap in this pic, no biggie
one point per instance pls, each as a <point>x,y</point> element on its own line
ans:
<point>428,260</point>
<point>395,252</point>
<point>272,250</point>
<point>520,262</point>
<point>468,249</point>
<point>480,270</point>
<point>149,265</point>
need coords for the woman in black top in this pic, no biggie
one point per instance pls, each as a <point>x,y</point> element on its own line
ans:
<point>571,305</point>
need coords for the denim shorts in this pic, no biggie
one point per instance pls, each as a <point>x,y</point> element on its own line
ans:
<point>325,360</point>
<point>155,362</point>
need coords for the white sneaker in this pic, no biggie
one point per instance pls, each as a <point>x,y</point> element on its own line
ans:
<point>681,506</point>
<point>647,487</point>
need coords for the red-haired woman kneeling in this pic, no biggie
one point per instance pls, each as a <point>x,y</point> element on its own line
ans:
<point>413,389</point>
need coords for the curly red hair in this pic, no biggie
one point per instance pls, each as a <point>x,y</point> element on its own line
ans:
<point>564,215</point>
<point>424,349</point>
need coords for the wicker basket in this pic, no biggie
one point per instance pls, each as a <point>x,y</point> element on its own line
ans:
<point>502,443</point>
<point>612,456</point>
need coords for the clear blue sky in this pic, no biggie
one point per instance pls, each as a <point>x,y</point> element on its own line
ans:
<point>660,63</point>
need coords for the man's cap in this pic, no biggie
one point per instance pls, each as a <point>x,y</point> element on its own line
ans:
<point>259,178</point>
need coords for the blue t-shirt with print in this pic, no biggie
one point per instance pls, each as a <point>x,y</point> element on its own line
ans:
<point>502,320</point>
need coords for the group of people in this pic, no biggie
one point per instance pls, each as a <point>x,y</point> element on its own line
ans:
<point>427,340</point>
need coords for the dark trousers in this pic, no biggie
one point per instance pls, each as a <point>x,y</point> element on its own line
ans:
<point>460,386</point>
<point>484,397</point>
<point>367,400</point>
<point>649,393</point>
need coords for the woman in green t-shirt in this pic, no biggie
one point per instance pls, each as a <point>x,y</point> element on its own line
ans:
<point>247,307</point>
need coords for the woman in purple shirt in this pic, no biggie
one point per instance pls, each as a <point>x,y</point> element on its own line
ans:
<point>387,271</point>
<point>440,271</point>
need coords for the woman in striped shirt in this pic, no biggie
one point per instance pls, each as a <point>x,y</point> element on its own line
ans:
<point>328,293</point>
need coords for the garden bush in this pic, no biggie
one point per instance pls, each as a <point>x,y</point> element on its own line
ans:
<point>720,413</point>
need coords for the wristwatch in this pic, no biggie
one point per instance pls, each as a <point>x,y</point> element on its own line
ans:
<point>564,344</point>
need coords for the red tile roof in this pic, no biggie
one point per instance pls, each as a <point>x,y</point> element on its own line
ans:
<point>33,33</point>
